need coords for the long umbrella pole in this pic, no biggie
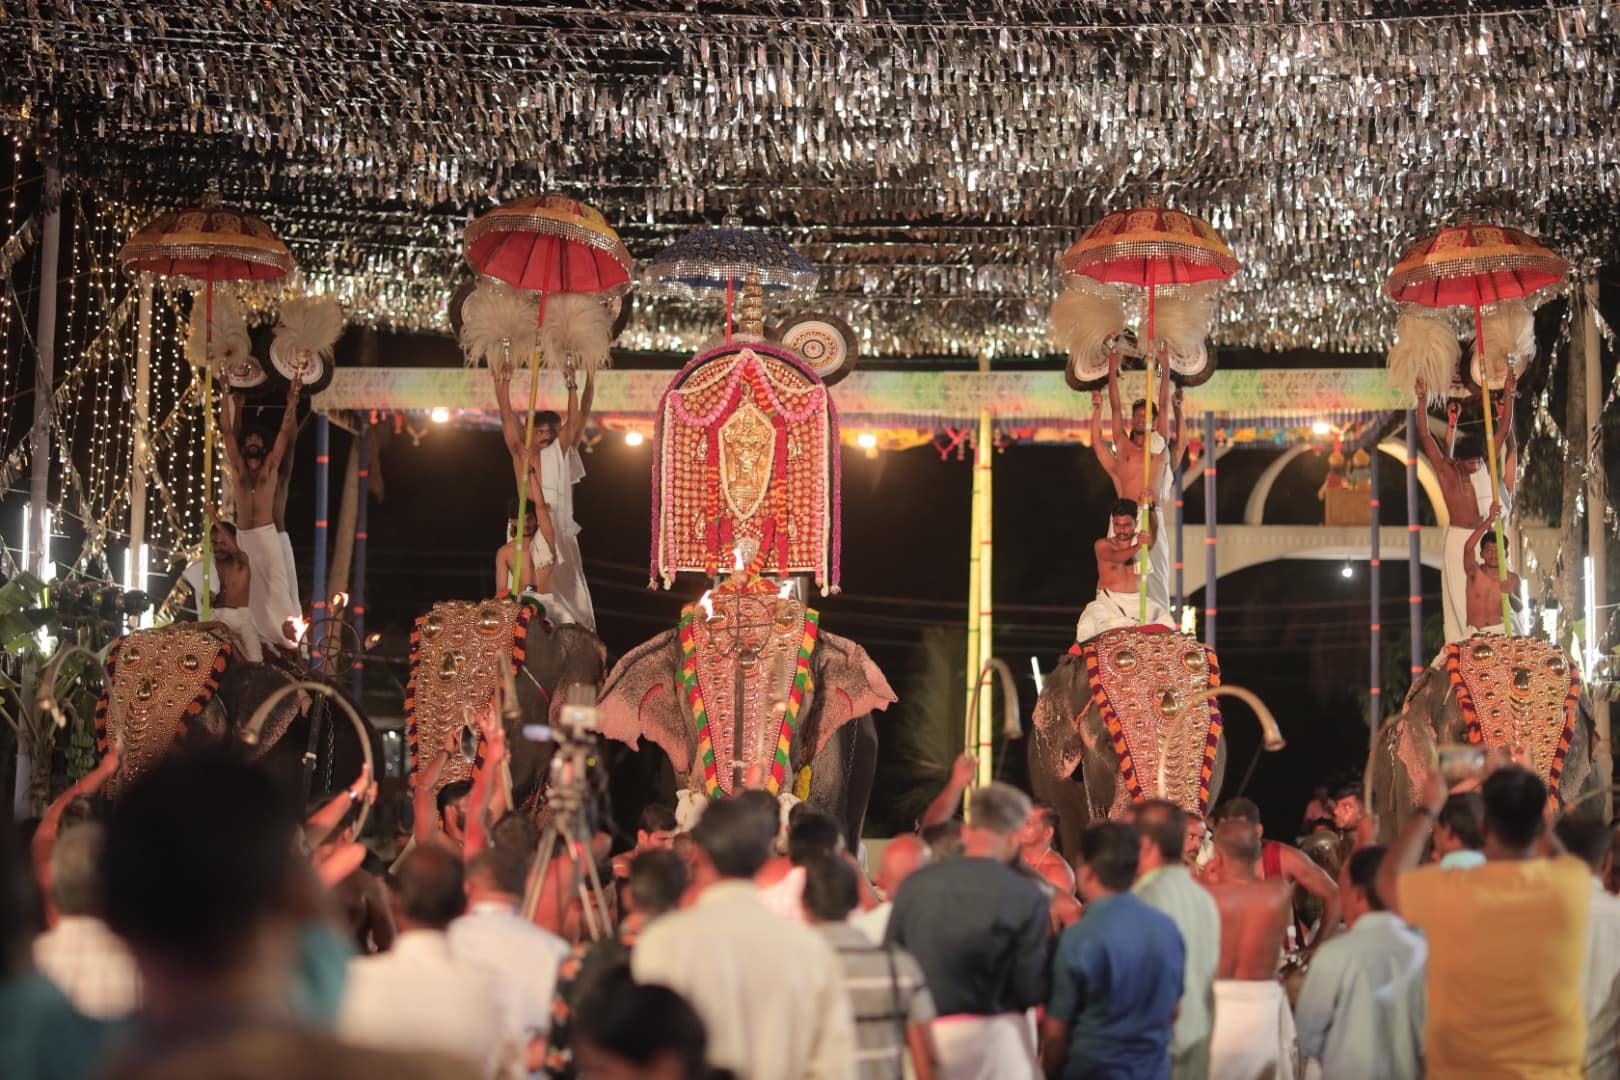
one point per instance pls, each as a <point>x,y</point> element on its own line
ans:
<point>205,605</point>
<point>1490,459</point>
<point>1145,514</point>
<point>518,554</point>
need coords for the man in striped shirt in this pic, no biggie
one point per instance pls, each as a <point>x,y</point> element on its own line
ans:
<point>887,992</point>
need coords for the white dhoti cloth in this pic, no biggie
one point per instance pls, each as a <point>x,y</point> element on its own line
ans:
<point>998,1047</point>
<point>559,472</point>
<point>295,601</point>
<point>1254,1037</point>
<point>1159,567</point>
<point>268,592</point>
<point>192,576</point>
<point>1116,610</point>
<point>244,638</point>
<point>540,554</point>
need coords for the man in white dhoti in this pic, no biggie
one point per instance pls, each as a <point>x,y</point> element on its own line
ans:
<point>1465,482</point>
<point>1253,1036</point>
<point>1118,602</point>
<point>550,466</point>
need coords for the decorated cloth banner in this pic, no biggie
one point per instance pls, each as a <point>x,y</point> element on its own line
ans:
<point>746,457</point>
<point>901,398</point>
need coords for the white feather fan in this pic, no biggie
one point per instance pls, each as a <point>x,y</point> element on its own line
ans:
<point>497,322</point>
<point>309,326</point>
<point>1425,350</point>
<point>1182,323</point>
<point>577,332</point>
<point>1510,337</point>
<point>230,344</point>
<point>1085,324</point>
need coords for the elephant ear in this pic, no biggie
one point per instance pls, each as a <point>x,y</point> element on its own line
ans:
<point>641,699</point>
<point>848,685</point>
<point>1058,729</point>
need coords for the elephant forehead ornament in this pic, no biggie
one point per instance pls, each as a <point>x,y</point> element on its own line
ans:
<point>745,668</point>
<point>1517,690</point>
<point>1151,687</point>
<point>158,681</point>
<point>455,666</point>
<point>747,453</point>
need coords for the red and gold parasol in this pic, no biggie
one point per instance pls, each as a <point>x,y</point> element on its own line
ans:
<point>1150,247</point>
<point>1472,264</point>
<point>208,243</point>
<point>546,244</point>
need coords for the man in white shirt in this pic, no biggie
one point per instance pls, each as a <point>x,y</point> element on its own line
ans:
<point>1592,842</point>
<point>419,995</point>
<point>86,960</point>
<point>1361,1012</point>
<point>494,935</point>
<point>770,992</point>
<point>1164,882</point>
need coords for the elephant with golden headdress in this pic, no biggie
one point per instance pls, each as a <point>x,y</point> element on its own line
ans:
<point>749,682</point>
<point>462,651</point>
<point>1127,716</point>
<point>1494,692</point>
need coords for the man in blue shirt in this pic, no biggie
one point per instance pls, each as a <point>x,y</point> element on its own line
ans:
<point>1117,975</point>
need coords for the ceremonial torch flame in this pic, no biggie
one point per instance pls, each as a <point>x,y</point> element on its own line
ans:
<point>295,627</point>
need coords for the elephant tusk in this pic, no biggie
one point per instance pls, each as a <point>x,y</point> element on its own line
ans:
<point>1012,726</point>
<point>255,725</point>
<point>1612,789</point>
<point>1273,740</point>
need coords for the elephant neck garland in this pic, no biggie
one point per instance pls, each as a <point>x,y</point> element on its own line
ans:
<point>455,664</point>
<point>158,681</point>
<point>1506,686</point>
<point>1141,680</point>
<point>747,451</point>
<point>713,637</point>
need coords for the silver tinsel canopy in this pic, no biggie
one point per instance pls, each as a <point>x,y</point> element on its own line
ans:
<point>930,160</point>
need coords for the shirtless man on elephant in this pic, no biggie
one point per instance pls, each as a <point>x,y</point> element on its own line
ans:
<point>1485,587</point>
<point>1124,466</point>
<point>1118,581</point>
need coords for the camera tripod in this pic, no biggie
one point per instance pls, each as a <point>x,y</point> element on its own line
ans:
<point>568,827</point>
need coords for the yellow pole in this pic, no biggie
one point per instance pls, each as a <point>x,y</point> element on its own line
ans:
<point>1490,459</point>
<point>1143,515</point>
<point>986,531</point>
<point>518,554</point>
<point>205,604</point>
<point>970,719</point>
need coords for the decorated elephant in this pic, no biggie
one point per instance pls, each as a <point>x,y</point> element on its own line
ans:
<point>457,654</point>
<point>748,681</point>
<point>1489,691</point>
<point>185,682</point>
<point>1125,717</point>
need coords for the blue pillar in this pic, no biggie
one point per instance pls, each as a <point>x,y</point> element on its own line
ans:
<point>1375,681</point>
<point>1414,543</point>
<point>1210,565</point>
<point>357,601</point>
<point>318,601</point>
